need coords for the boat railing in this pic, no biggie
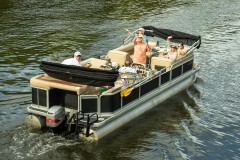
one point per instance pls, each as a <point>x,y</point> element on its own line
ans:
<point>108,102</point>
<point>148,84</point>
<point>129,38</point>
<point>188,55</point>
<point>193,47</point>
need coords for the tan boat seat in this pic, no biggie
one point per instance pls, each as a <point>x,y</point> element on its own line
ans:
<point>126,48</point>
<point>119,56</point>
<point>152,44</point>
<point>46,82</point>
<point>160,62</point>
<point>95,62</point>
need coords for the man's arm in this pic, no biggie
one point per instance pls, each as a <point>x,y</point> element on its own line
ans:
<point>130,33</point>
<point>169,42</point>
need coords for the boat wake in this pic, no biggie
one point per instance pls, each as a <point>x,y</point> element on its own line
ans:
<point>25,143</point>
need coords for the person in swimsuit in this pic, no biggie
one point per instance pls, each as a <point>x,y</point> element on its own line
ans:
<point>140,49</point>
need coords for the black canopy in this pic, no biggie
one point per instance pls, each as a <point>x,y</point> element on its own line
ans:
<point>177,36</point>
<point>80,75</point>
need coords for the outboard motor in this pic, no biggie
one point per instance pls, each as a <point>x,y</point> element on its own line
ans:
<point>55,116</point>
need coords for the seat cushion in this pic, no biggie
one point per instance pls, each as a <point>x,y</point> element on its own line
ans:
<point>160,61</point>
<point>119,56</point>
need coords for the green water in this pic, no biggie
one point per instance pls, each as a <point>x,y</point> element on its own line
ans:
<point>199,123</point>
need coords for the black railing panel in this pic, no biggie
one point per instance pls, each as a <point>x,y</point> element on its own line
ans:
<point>176,72</point>
<point>149,86</point>
<point>35,96</point>
<point>69,99</point>
<point>165,77</point>
<point>187,66</point>
<point>131,97</point>
<point>54,97</point>
<point>42,97</point>
<point>89,105</point>
<point>110,103</point>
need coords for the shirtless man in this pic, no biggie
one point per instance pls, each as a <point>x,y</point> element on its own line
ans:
<point>181,50</point>
<point>140,49</point>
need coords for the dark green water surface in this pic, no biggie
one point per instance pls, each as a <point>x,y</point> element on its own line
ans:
<point>199,123</point>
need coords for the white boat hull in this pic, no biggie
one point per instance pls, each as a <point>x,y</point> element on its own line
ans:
<point>142,105</point>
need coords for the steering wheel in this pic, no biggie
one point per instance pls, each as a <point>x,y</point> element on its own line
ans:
<point>137,66</point>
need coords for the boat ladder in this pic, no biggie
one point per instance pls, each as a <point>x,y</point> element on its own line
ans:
<point>84,120</point>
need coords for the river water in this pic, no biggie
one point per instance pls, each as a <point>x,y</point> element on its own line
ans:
<point>199,123</point>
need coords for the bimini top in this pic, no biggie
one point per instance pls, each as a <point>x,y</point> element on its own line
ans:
<point>80,75</point>
<point>177,36</point>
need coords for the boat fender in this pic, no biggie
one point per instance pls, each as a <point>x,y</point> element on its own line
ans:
<point>126,92</point>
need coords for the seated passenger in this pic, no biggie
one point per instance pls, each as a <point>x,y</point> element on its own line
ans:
<point>172,53</point>
<point>140,50</point>
<point>75,60</point>
<point>181,51</point>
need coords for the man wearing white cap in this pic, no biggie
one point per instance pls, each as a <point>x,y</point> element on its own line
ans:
<point>75,60</point>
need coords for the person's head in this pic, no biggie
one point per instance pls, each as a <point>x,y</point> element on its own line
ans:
<point>137,33</point>
<point>173,48</point>
<point>141,30</point>
<point>139,38</point>
<point>180,45</point>
<point>77,55</point>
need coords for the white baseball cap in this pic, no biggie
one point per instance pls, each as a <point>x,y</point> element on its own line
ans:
<point>77,53</point>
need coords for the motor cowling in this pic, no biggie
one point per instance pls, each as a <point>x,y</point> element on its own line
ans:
<point>55,116</point>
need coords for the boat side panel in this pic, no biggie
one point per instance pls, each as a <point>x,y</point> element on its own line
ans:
<point>149,86</point>
<point>142,105</point>
<point>133,96</point>
<point>110,103</point>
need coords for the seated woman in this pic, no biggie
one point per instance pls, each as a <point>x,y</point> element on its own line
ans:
<point>172,54</point>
